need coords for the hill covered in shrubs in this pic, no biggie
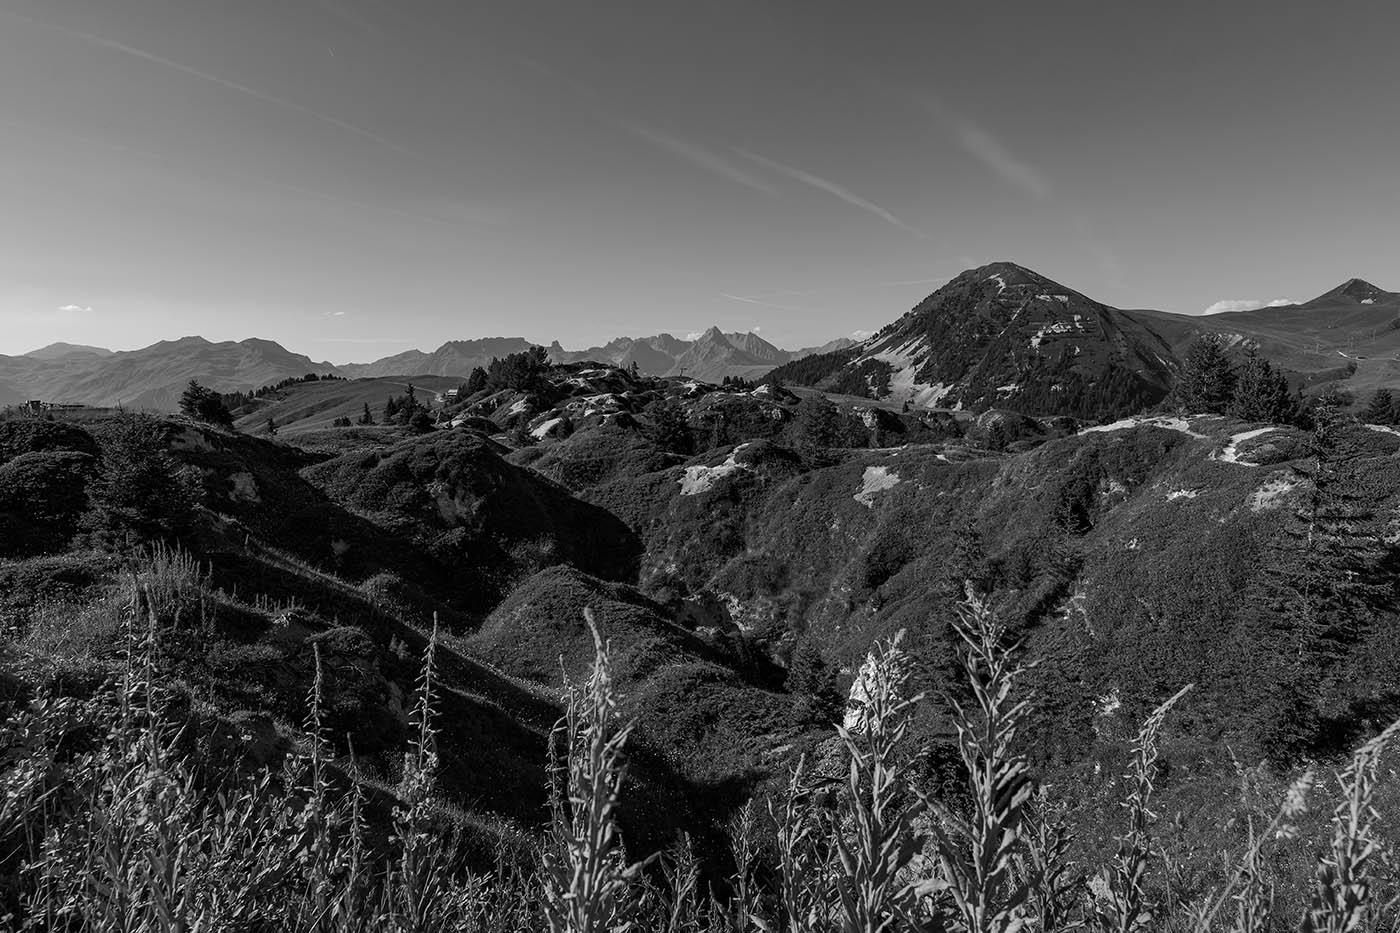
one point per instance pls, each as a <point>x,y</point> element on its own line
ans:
<point>804,605</point>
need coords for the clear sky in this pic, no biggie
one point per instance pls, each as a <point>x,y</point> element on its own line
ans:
<point>355,177</point>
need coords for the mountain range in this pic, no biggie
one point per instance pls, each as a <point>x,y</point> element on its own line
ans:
<point>710,357</point>
<point>1004,336</point>
<point>1000,335</point>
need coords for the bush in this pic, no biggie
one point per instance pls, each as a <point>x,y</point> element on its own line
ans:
<point>42,498</point>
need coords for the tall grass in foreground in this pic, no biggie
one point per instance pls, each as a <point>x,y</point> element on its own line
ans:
<point>118,830</point>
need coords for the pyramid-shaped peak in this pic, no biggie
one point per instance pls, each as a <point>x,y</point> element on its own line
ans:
<point>1006,275</point>
<point>1353,290</point>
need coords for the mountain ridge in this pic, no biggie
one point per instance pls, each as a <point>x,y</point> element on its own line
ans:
<point>999,335</point>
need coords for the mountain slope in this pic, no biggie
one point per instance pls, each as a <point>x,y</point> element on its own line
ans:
<point>1349,335</point>
<point>58,350</point>
<point>154,376</point>
<point>453,358</point>
<point>712,356</point>
<point>1004,336</point>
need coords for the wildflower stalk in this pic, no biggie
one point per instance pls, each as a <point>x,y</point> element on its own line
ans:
<point>586,876</point>
<point>977,854</point>
<point>1127,907</point>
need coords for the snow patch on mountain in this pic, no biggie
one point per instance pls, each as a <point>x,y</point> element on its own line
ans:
<point>698,479</point>
<point>1182,494</point>
<point>1155,421</point>
<point>1270,495</point>
<point>1230,453</point>
<point>541,431</point>
<point>875,480</point>
<point>1056,327</point>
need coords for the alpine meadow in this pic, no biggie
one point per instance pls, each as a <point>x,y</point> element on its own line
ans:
<point>869,583</point>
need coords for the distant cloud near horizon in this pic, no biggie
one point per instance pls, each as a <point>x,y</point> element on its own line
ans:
<point>75,307</point>
<point>1246,304</point>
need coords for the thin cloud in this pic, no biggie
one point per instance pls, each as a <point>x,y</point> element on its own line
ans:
<point>833,189</point>
<point>855,287</point>
<point>763,304</point>
<point>222,82</point>
<point>697,155</point>
<point>332,314</point>
<point>77,308</point>
<point>980,143</point>
<point>1245,304</point>
<point>987,149</point>
<point>862,334</point>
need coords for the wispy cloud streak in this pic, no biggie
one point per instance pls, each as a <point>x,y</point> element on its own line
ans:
<point>764,304</point>
<point>224,83</point>
<point>833,189</point>
<point>988,150</point>
<point>697,155</point>
<point>897,283</point>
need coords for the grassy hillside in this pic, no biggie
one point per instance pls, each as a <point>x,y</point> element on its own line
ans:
<point>743,551</point>
<point>313,406</point>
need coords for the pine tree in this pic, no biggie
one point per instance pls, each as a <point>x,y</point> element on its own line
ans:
<point>476,381</point>
<point>673,430</point>
<point>140,489</point>
<point>1207,382</point>
<point>1261,392</point>
<point>271,426</point>
<point>1323,586</point>
<point>366,417</point>
<point>391,410</point>
<point>816,428</point>
<point>203,404</point>
<point>1381,409</point>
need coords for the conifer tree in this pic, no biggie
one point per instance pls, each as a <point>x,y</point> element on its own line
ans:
<point>816,429</point>
<point>1207,382</point>
<point>1381,409</point>
<point>1261,392</point>
<point>366,417</point>
<point>673,430</point>
<point>1323,587</point>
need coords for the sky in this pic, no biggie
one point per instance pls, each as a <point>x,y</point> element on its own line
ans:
<point>353,178</point>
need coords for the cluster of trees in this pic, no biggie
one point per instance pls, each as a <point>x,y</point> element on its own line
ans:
<point>206,405</point>
<point>811,370</point>
<point>523,371</point>
<point>1253,391</point>
<point>240,401</point>
<point>405,410</point>
<point>738,383</point>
